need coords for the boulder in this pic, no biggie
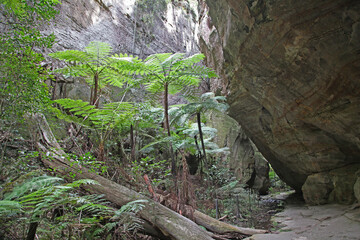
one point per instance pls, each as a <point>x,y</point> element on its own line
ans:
<point>338,185</point>
<point>357,186</point>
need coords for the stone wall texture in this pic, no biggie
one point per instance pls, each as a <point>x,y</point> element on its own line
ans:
<point>291,71</point>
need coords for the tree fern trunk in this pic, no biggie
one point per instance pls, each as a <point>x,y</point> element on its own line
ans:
<point>101,152</point>
<point>201,138</point>
<point>166,109</point>
<point>132,143</point>
<point>198,115</point>
<point>32,231</point>
<point>96,89</point>
<point>167,127</point>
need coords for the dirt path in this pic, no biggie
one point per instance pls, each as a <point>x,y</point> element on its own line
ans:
<point>299,221</point>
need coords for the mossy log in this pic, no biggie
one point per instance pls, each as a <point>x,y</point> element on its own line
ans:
<point>171,224</point>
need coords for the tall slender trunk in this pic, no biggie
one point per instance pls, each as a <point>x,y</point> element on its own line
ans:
<point>167,127</point>
<point>166,109</point>
<point>101,151</point>
<point>132,143</point>
<point>91,95</point>
<point>96,89</point>
<point>32,231</point>
<point>201,138</point>
<point>197,146</point>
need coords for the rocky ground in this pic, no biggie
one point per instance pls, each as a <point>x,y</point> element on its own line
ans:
<point>299,221</point>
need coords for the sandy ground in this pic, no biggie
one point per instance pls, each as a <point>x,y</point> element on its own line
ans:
<point>299,221</point>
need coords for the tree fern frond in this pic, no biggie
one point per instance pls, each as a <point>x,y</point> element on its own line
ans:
<point>158,142</point>
<point>156,59</point>
<point>71,56</point>
<point>32,185</point>
<point>80,182</point>
<point>190,61</point>
<point>133,206</point>
<point>98,49</point>
<point>170,62</point>
<point>9,207</point>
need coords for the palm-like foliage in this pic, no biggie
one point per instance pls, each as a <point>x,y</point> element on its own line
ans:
<point>42,195</point>
<point>208,101</point>
<point>116,115</point>
<point>173,73</point>
<point>99,67</point>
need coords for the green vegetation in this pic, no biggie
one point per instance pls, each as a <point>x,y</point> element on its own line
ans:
<point>22,76</point>
<point>44,202</point>
<point>123,141</point>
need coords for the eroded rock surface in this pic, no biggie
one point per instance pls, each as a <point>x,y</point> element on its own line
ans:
<point>130,29</point>
<point>249,166</point>
<point>291,70</point>
<point>301,222</point>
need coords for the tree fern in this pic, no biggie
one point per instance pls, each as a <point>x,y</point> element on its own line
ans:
<point>116,115</point>
<point>40,196</point>
<point>98,66</point>
<point>168,74</point>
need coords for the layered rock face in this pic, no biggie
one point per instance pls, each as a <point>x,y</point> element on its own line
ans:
<point>245,161</point>
<point>130,28</point>
<point>291,70</point>
<point>127,26</point>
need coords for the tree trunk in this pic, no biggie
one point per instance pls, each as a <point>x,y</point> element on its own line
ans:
<point>95,91</point>
<point>101,151</point>
<point>167,127</point>
<point>32,231</point>
<point>170,223</point>
<point>166,109</point>
<point>198,116</point>
<point>132,143</point>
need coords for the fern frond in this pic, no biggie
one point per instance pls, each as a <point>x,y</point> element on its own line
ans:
<point>190,61</point>
<point>98,49</point>
<point>156,59</point>
<point>9,207</point>
<point>32,185</point>
<point>75,56</point>
<point>80,182</point>
<point>158,142</point>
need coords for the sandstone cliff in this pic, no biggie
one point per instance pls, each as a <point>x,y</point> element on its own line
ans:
<point>291,71</point>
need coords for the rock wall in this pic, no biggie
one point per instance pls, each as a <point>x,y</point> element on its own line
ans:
<point>291,72</point>
<point>247,163</point>
<point>170,28</point>
<point>164,27</point>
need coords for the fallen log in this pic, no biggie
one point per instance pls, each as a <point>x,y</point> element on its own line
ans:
<point>170,223</point>
<point>217,226</point>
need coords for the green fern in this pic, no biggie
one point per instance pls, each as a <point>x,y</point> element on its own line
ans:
<point>107,117</point>
<point>208,101</point>
<point>169,74</point>
<point>9,208</point>
<point>34,184</point>
<point>39,196</point>
<point>99,67</point>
